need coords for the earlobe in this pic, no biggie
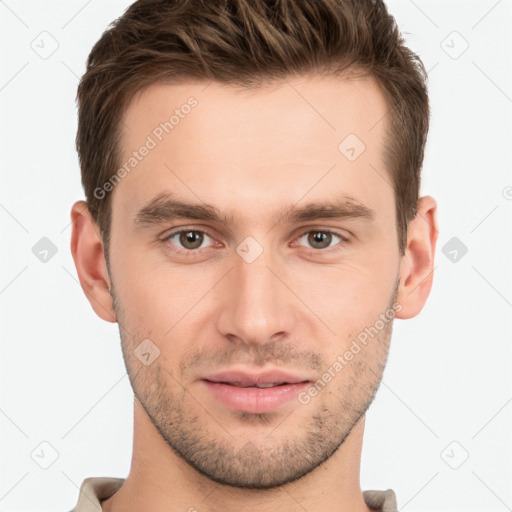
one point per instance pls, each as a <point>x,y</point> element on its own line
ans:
<point>417,266</point>
<point>88,254</point>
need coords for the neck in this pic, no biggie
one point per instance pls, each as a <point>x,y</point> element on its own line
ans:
<point>159,480</point>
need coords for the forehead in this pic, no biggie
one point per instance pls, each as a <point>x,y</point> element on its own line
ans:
<point>306,135</point>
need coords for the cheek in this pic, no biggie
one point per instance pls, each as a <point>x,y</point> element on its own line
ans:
<point>346,300</point>
<point>159,299</point>
<point>347,292</point>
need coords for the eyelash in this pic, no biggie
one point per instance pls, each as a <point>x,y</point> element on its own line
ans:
<point>192,252</point>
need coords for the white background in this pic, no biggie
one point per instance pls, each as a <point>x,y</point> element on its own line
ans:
<point>62,377</point>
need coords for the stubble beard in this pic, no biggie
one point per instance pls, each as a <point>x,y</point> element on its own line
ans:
<point>274,459</point>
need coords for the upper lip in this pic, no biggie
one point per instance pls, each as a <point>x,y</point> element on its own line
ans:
<point>241,378</point>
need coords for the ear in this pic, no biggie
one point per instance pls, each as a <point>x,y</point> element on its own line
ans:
<point>417,265</point>
<point>87,251</point>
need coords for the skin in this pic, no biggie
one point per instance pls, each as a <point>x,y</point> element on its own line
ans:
<point>297,307</point>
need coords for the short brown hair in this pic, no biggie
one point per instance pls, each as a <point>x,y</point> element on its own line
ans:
<point>249,43</point>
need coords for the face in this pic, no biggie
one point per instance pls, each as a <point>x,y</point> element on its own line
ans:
<point>255,253</point>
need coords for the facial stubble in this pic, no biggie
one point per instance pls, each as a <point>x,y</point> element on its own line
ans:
<point>193,432</point>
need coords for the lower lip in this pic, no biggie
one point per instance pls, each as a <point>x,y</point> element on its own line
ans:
<point>252,399</point>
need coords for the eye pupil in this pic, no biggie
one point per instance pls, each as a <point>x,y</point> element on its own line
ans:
<point>191,239</point>
<point>319,238</point>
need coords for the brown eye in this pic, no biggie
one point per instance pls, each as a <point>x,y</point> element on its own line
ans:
<point>186,241</point>
<point>191,239</point>
<point>319,239</point>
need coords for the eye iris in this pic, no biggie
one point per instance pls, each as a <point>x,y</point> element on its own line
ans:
<point>316,238</point>
<point>191,239</point>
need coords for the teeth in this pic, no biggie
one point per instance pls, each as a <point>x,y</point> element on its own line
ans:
<point>267,385</point>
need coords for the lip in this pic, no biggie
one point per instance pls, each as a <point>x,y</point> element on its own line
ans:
<point>245,379</point>
<point>237,389</point>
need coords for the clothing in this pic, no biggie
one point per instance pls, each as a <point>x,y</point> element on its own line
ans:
<point>96,489</point>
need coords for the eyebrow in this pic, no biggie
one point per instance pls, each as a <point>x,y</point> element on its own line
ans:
<point>165,208</point>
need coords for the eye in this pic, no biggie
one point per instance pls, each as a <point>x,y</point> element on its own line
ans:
<point>191,241</point>
<point>321,239</point>
<point>187,240</point>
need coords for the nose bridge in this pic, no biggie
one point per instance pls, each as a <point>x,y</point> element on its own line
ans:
<point>256,305</point>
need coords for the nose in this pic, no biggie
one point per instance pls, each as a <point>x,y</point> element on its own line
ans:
<point>256,305</point>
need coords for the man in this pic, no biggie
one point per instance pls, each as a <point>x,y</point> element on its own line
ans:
<point>253,224</point>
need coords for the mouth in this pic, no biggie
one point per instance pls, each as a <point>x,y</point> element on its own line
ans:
<point>260,385</point>
<point>267,379</point>
<point>255,393</point>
